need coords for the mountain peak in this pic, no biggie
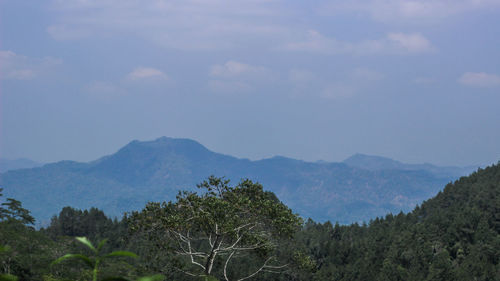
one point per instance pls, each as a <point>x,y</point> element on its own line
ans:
<point>370,162</point>
<point>156,169</point>
<point>165,142</point>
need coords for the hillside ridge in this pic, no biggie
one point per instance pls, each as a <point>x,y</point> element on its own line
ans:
<point>143,171</point>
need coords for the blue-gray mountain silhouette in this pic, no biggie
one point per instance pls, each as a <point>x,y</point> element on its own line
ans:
<point>15,164</point>
<point>356,190</point>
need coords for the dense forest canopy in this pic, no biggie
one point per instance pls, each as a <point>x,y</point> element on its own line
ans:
<point>453,236</point>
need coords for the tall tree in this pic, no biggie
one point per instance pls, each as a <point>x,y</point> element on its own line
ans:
<point>211,228</point>
<point>13,210</point>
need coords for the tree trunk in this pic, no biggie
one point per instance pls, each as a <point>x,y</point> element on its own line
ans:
<point>213,253</point>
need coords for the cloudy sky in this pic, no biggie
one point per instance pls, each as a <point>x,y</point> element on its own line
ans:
<point>418,81</point>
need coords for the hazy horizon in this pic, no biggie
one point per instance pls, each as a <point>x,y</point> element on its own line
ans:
<point>482,165</point>
<point>416,81</point>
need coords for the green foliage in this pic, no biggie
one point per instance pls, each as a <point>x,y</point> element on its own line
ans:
<point>13,210</point>
<point>453,236</point>
<point>25,250</point>
<point>91,223</point>
<point>6,277</point>
<point>304,262</point>
<point>209,278</point>
<point>222,223</point>
<point>94,261</point>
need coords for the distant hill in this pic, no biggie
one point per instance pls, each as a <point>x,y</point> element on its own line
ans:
<point>155,170</point>
<point>378,163</point>
<point>14,164</point>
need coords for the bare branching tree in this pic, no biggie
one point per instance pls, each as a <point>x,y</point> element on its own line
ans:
<point>220,223</point>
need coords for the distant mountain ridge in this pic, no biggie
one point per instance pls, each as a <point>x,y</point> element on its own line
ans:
<point>14,164</point>
<point>378,163</point>
<point>155,170</point>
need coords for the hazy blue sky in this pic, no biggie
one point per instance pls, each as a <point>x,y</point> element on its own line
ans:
<point>418,81</point>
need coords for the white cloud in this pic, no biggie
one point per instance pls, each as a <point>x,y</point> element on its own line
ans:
<point>146,73</point>
<point>344,85</point>
<point>317,43</point>
<point>140,80</point>
<point>18,67</point>
<point>63,32</point>
<point>413,43</point>
<point>392,43</point>
<point>237,69</point>
<point>411,11</point>
<point>480,79</point>
<point>238,77</point>
<point>265,24</point>
<point>268,24</point>
<point>181,24</point>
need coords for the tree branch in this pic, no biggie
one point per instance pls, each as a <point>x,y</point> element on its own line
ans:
<point>264,267</point>
<point>225,265</point>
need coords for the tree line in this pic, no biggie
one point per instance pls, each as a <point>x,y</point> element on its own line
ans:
<point>241,232</point>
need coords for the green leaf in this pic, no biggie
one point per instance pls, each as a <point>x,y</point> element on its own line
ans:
<point>7,277</point>
<point>157,277</point>
<point>4,248</point>
<point>101,244</point>
<point>87,243</point>
<point>83,258</point>
<point>121,254</point>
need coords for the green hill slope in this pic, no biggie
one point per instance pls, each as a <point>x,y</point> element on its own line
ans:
<point>453,236</point>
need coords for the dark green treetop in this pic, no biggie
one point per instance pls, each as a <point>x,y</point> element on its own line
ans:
<point>13,210</point>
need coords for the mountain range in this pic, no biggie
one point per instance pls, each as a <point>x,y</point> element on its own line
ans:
<point>15,164</point>
<point>358,189</point>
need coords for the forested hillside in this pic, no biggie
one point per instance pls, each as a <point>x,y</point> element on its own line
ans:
<point>453,236</point>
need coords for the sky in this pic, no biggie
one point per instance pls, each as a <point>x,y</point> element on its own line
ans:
<point>416,80</point>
